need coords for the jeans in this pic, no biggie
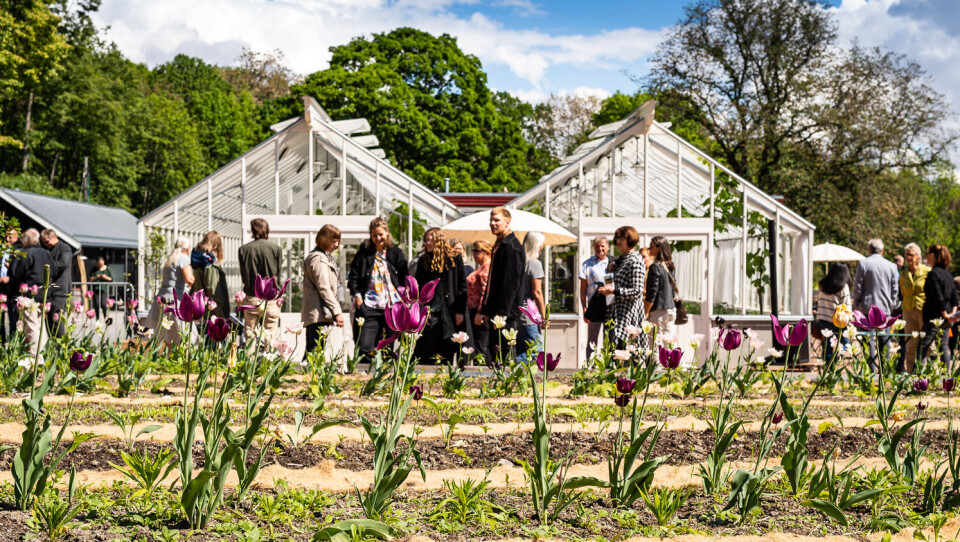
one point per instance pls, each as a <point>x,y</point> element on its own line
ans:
<point>528,337</point>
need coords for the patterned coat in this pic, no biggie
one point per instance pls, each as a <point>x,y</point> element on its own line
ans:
<point>627,308</point>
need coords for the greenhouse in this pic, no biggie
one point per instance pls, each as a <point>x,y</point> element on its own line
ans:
<point>735,247</point>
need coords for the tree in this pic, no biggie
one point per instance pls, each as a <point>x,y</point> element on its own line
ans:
<point>31,52</point>
<point>429,105</point>
<point>263,75</point>
<point>788,108</point>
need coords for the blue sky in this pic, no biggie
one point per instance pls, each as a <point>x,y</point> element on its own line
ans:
<point>530,48</point>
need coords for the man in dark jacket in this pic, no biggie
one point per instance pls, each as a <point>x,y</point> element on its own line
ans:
<point>12,252</point>
<point>60,282</point>
<point>27,272</point>
<point>504,285</point>
<point>259,257</point>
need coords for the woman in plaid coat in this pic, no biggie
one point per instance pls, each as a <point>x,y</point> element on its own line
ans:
<point>627,287</point>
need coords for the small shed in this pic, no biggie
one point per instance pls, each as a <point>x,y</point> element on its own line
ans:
<point>90,230</point>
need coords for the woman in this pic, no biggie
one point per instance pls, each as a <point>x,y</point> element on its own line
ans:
<point>476,285</point>
<point>529,336</point>
<point>449,304</point>
<point>627,288</point>
<point>101,275</point>
<point>460,250</point>
<point>377,270</point>
<point>320,307</point>
<point>659,297</point>
<point>940,303</point>
<point>206,261</point>
<point>833,290</point>
<point>176,276</point>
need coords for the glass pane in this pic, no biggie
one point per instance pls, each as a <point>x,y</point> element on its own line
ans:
<point>688,261</point>
<point>292,250</point>
<point>563,278</point>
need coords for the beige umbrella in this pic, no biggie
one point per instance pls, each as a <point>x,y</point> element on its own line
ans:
<point>828,252</point>
<point>477,226</point>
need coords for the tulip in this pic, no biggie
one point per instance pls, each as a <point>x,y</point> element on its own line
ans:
<point>622,400</point>
<point>777,418</point>
<point>548,361</point>
<point>948,384</point>
<point>921,406</point>
<point>625,385</point>
<point>696,340</point>
<point>132,319</point>
<point>211,305</point>
<point>412,293</point>
<point>921,385</point>
<point>898,416</point>
<point>294,330</point>
<point>88,294</point>
<point>875,319</point>
<point>47,306</point>
<point>621,355</point>
<point>467,351</point>
<point>91,314</point>
<point>24,288</point>
<point>267,289</point>
<point>360,320</point>
<point>3,298</point>
<point>238,297</point>
<point>789,335</point>
<point>499,321</point>
<point>79,361</point>
<point>533,313</point>
<point>218,329</point>
<point>111,302</point>
<point>132,304</point>
<point>35,289</point>
<point>77,307</point>
<point>417,392</point>
<point>406,318</point>
<point>731,339</point>
<point>842,316</point>
<point>670,359</point>
<point>633,331</point>
<point>460,337</point>
<point>190,307</point>
<point>3,307</point>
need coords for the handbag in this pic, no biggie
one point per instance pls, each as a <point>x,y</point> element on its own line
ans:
<point>682,317</point>
<point>596,308</point>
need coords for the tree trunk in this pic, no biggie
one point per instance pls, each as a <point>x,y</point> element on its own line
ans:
<point>53,170</point>
<point>26,133</point>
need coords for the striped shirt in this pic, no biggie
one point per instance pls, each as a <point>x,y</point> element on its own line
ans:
<point>827,303</point>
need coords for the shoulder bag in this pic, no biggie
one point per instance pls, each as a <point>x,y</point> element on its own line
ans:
<point>682,317</point>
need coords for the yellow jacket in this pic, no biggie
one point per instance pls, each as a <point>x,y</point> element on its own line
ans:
<point>911,285</point>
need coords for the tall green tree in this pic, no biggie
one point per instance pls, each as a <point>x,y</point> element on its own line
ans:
<point>430,107</point>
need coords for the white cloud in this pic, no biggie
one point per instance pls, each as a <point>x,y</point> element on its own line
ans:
<point>924,30</point>
<point>304,30</point>
<point>536,96</point>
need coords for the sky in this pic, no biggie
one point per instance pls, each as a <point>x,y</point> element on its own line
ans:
<point>530,48</point>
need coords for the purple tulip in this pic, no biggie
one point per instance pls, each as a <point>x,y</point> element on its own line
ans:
<point>412,293</point>
<point>189,308</point>
<point>670,359</point>
<point>417,392</point>
<point>625,385</point>
<point>533,313</point>
<point>948,384</point>
<point>79,361</point>
<point>388,341</point>
<point>731,339</point>
<point>921,406</point>
<point>218,329</point>
<point>777,418</point>
<point>548,361</point>
<point>622,400</point>
<point>792,335</point>
<point>406,318</point>
<point>921,385</point>
<point>267,289</point>
<point>875,319</point>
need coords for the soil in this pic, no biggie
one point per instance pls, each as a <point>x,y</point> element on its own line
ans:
<point>683,447</point>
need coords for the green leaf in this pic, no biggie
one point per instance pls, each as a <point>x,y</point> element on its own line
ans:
<point>827,508</point>
<point>825,426</point>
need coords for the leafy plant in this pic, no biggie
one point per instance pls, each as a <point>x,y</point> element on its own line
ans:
<point>663,503</point>
<point>354,530</point>
<point>52,514</point>
<point>466,505</point>
<point>127,424</point>
<point>146,471</point>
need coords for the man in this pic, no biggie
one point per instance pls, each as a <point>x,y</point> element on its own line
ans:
<point>60,283</point>
<point>591,272</point>
<point>504,283</point>
<point>10,255</point>
<point>28,271</point>
<point>912,277</point>
<point>898,261</point>
<point>259,257</point>
<point>876,284</point>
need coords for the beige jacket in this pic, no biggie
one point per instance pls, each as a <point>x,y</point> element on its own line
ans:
<point>320,281</point>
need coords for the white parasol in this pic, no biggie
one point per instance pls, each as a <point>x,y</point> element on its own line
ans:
<point>477,226</point>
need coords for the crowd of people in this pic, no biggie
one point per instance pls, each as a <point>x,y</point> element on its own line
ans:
<point>469,300</point>
<point>917,286</point>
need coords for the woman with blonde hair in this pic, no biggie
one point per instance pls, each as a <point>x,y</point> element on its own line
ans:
<point>448,307</point>
<point>476,285</point>
<point>176,276</point>
<point>320,307</point>
<point>206,261</point>
<point>530,335</point>
<point>377,270</point>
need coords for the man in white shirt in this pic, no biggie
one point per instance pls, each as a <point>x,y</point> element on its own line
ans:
<point>592,271</point>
